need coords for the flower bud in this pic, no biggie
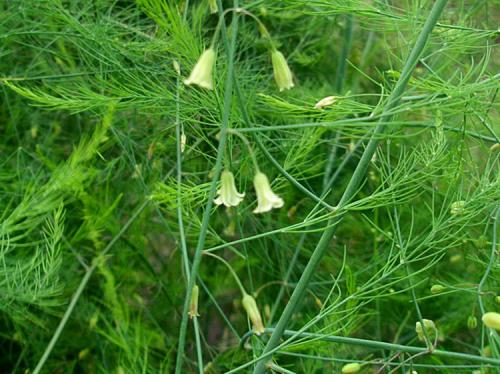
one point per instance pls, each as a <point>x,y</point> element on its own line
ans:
<point>230,229</point>
<point>266,198</point>
<point>437,288</point>
<point>472,322</point>
<point>353,367</point>
<point>183,142</point>
<point>193,306</point>
<point>326,101</point>
<point>282,73</point>
<point>228,195</point>
<point>177,67</point>
<point>487,351</point>
<point>213,6</point>
<point>93,321</point>
<point>491,320</point>
<point>83,353</point>
<point>481,242</point>
<point>253,313</point>
<point>495,148</point>
<point>457,208</point>
<point>429,326</point>
<point>201,75</point>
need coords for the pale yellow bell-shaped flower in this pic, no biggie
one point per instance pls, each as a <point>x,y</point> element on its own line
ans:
<point>282,73</point>
<point>491,320</point>
<point>201,75</point>
<point>266,198</point>
<point>253,313</point>
<point>228,195</point>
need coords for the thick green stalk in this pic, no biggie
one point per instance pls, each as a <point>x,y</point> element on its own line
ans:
<point>208,207</point>
<point>291,265</point>
<point>352,187</point>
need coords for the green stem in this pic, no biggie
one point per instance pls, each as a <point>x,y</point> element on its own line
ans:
<point>496,217</point>
<point>283,172</point>
<point>178,132</point>
<point>220,26</point>
<point>361,121</point>
<point>199,353</point>
<point>324,193</point>
<point>213,187</point>
<point>352,187</point>
<point>346,47</point>
<point>249,146</point>
<point>402,248</point>
<point>263,28</point>
<point>374,344</point>
<point>340,77</point>
<point>231,270</point>
<point>331,158</point>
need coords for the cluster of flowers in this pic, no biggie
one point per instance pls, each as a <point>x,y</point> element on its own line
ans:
<point>229,196</point>
<point>201,75</point>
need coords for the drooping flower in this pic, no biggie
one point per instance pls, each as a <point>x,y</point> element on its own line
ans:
<point>266,198</point>
<point>201,75</point>
<point>282,73</point>
<point>228,195</point>
<point>253,313</point>
<point>492,320</point>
